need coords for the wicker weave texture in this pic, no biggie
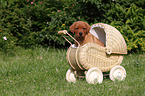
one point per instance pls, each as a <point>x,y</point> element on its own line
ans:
<point>92,55</point>
<point>114,40</point>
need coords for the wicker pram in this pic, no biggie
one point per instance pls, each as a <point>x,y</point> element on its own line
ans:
<point>92,59</point>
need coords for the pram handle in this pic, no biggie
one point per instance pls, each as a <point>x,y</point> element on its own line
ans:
<point>65,32</point>
<point>62,32</point>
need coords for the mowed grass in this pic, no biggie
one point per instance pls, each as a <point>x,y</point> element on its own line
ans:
<point>41,72</point>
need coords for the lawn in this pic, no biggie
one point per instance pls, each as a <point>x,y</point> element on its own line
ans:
<point>41,72</point>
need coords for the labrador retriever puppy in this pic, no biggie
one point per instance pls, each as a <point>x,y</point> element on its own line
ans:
<point>81,30</point>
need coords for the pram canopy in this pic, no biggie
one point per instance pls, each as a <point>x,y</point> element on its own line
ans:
<point>111,37</point>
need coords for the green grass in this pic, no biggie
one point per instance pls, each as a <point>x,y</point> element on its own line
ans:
<point>41,72</point>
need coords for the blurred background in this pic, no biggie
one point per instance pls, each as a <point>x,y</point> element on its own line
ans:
<point>29,23</point>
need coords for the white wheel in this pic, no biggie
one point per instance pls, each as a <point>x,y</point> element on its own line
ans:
<point>94,75</point>
<point>70,77</point>
<point>117,73</point>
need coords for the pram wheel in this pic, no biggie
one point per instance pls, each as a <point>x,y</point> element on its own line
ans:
<point>117,73</point>
<point>70,76</point>
<point>94,75</point>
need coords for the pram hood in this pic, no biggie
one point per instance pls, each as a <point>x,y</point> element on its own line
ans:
<point>111,37</point>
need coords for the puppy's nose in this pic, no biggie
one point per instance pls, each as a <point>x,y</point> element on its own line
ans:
<point>80,33</point>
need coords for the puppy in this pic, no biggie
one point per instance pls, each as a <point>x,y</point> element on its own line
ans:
<point>81,30</point>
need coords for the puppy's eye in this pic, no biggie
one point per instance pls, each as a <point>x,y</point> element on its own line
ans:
<point>84,28</point>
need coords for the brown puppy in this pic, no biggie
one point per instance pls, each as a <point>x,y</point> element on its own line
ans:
<point>81,30</point>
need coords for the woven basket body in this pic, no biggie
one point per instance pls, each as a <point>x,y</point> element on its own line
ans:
<point>93,55</point>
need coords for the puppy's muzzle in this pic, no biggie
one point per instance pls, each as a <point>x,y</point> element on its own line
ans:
<point>80,33</point>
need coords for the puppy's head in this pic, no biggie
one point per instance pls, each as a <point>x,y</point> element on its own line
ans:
<point>80,29</point>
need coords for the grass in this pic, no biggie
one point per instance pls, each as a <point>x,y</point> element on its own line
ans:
<point>41,72</point>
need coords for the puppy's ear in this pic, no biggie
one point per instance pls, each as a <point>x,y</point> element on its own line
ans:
<point>72,28</point>
<point>88,27</point>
